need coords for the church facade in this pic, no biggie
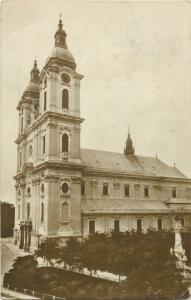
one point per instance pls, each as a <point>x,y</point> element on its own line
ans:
<point>63,190</point>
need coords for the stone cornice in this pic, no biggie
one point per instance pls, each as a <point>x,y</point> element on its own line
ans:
<point>58,165</point>
<point>117,174</point>
<point>45,117</point>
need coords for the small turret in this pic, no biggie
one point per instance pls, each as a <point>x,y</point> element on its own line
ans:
<point>129,149</point>
<point>35,73</point>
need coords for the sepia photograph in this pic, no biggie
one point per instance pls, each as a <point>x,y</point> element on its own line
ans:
<point>95,149</point>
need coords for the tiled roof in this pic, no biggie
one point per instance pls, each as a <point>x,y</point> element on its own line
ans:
<point>118,206</point>
<point>132,164</point>
<point>122,206</point>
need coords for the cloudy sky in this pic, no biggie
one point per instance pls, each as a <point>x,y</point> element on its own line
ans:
<point>136,59</point>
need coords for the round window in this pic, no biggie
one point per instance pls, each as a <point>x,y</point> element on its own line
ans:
<point>65,78</point>
<point>65,188</point>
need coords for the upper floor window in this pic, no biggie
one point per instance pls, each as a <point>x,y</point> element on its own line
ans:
<point>65,99</point>
<point>64,142</point>
<point>28,211</point>
<point>105,190</point>
<point>174,193</point>
<point>30,150</point>
<point>43,144</point>
<point>139,225</point>
<point>116,226</point>
<point>83,188</point>
<point>21,124</point>
<point>65,188</point>
<point>146,191</point>
<point>127,191</point>
<point>159,223</point>
<point>45,101</point>
<point>20,159</point>
<point>42,212</point>
<point>42,188</point>
<point>91,227</point>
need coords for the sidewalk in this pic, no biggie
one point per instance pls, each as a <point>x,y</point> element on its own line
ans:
<point>16,295</point>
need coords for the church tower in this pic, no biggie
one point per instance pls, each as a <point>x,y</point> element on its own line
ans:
<point>48,180</point>
<point>129,148</point>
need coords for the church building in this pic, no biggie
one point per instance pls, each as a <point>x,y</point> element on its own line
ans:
<point>63,190</point>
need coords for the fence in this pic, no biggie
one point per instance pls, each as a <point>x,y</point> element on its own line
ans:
<point>36,294</point>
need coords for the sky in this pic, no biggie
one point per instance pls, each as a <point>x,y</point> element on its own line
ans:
<point>136,62</point>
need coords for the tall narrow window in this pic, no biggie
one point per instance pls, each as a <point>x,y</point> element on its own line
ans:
<point>174,193</point>
<point>44,101</point>
<point>83,188</point>
<point>126,191</point>
<point>20,159</point>
<point>139,225</point>
<point>28,211</point>
<point>64,212</point>
<point>91,227</point>
<point>19,211</point>
<point>65,188</point>
<point>146,191</point>
<point>21,124</point>
<point>64,142</point>
<point>65,99</point>
<point>42,212</point>
<point>43,144</point>
<point>159,221</point>
<point>105,190</point>
<point>116,226</point>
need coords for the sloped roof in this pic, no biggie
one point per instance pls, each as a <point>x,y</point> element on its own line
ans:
<point>122,206</point>
<point>132,164</point>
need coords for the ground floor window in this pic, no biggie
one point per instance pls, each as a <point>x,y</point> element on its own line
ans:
<point>182,221</point>
<point>91,227</point>
<point>116,226</point>
<point>139,225</point>
<point>159,221</point>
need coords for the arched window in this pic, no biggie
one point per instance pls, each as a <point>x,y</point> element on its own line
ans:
<point>65,99</point>
<point>42,212</point>
<point>19,193</point>
<point>65,188</point>
<point>116,226</point>
<point>43,144</point>
<point>139,225</point>
<point>64,212</point>
<point>28,190</point>
<point>45,101</point>
<point>64,142</point>
<point>28,211</point>
<point>19,210</point>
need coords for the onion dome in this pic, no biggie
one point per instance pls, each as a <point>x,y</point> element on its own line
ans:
<point>129,149</point>
<point>33,85</point>
<point>60,49</point>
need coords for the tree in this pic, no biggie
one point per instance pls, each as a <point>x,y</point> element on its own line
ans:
<point>70,253</point>
<point>48,249</point>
